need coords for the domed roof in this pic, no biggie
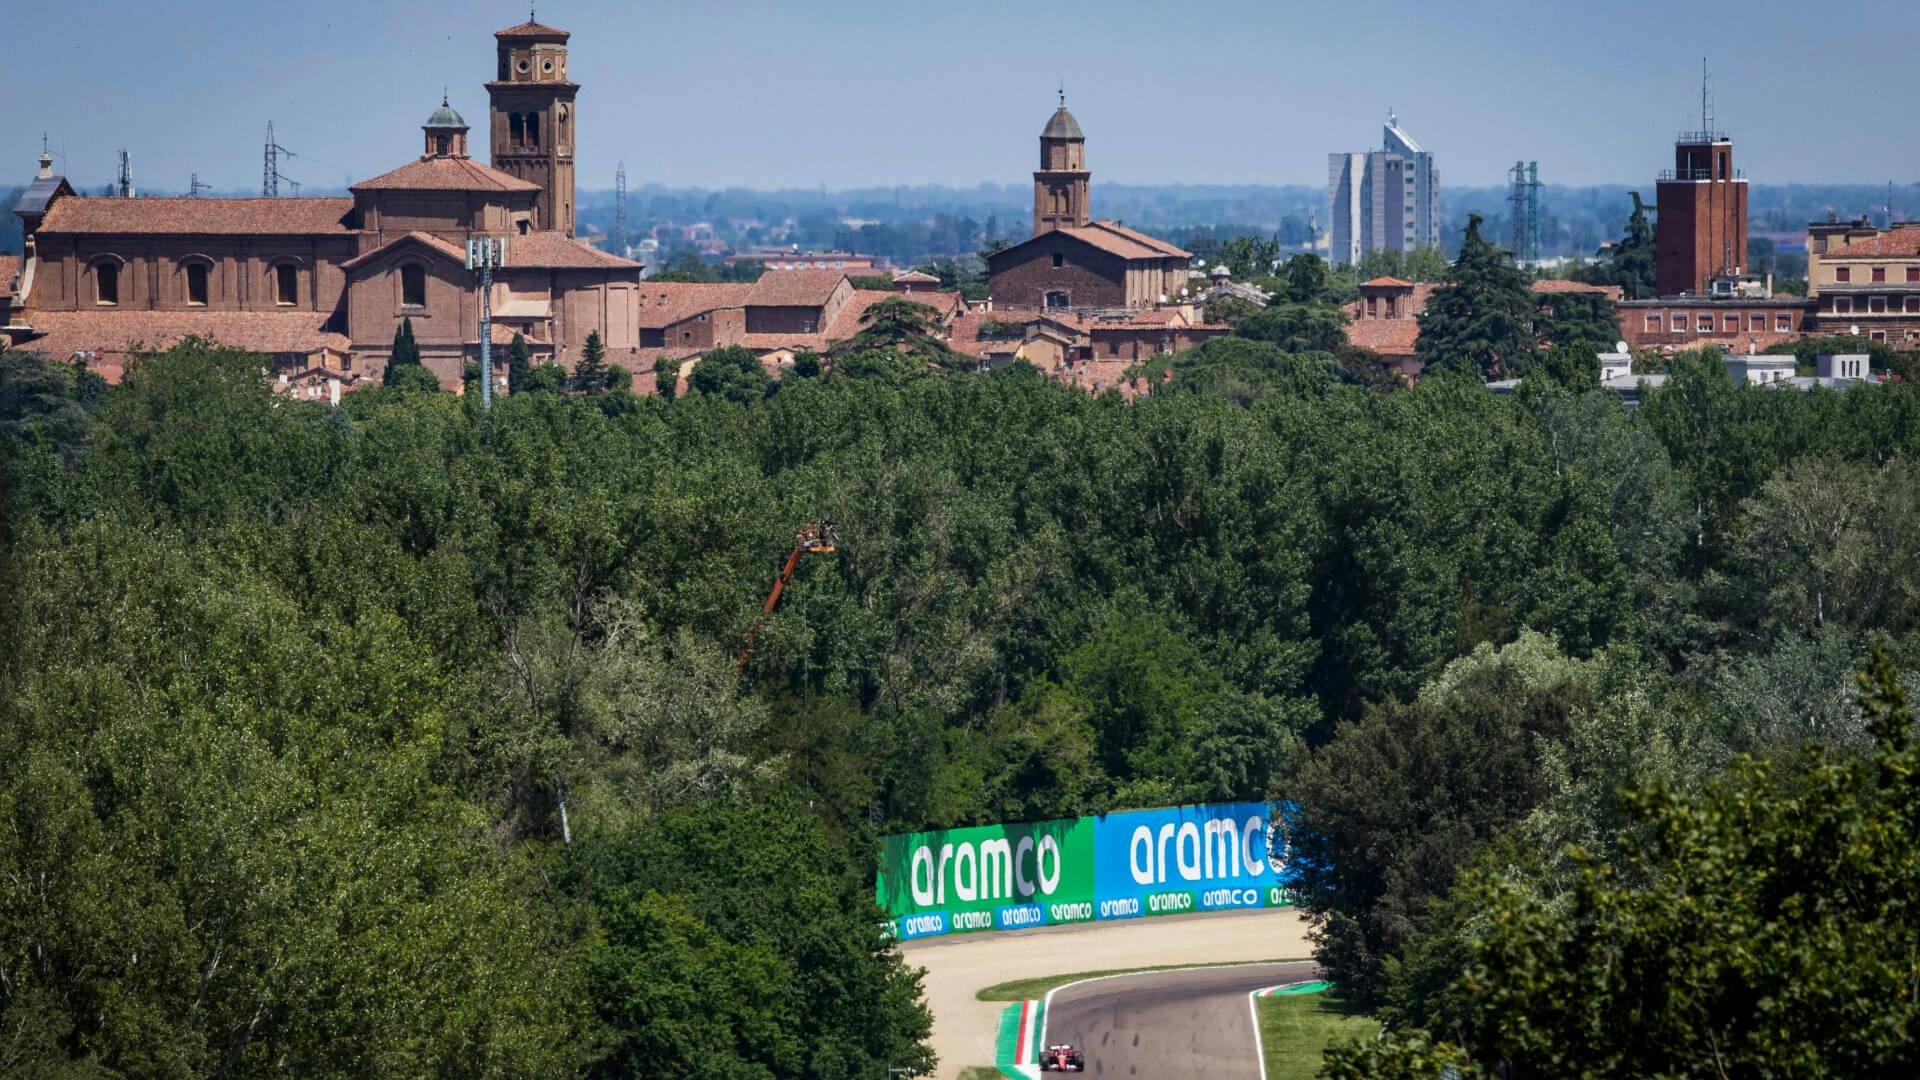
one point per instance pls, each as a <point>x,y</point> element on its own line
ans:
<point>445,117</point>
<point>1062,126</point>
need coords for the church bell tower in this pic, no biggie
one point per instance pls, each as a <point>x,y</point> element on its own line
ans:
<point>532,122</point>
<point>1060,184</point>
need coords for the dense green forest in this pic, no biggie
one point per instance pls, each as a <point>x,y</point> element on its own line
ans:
<point>403,738</point>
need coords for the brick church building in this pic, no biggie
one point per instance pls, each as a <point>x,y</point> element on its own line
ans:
<point>1072,262</point>
<point>321,284</point>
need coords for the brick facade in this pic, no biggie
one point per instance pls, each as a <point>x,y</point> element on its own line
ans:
<point>1701,230</point>
<point>356,268</point>
<point>1739,325</point>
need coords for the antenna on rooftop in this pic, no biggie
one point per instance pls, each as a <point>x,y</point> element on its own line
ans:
<point>195,187</point>
<point>123,186</point>
<point>270,175</point>
<point>1706,99</point>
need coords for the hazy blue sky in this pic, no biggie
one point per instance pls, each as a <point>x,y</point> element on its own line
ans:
<point>729,93</point>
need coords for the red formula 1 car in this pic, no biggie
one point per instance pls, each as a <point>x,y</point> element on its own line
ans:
<point>1062,1058</point>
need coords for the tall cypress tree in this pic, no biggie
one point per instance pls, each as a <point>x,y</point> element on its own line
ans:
<point>1480,323</point>
<point>405,351</point>
<point>519,363</point>
<point>590,374</point>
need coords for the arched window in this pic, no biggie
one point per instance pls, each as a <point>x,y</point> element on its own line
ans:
<point>413,285</point>
<point>286,284</point>
<point>533,130</point>
<point>197,284</point>
<point>106,283</point>
<point>516,129</point>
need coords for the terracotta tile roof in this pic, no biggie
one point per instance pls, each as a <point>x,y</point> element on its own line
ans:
<point>531,29</point>
<point>9,269</point>
<point>1097,376</point>
<point>111,334</point>
<point>946,305</point>
<point>502,334</point>
<point>1386,282</point>
<point>665,303</point>
<point>915,277</point>
<point>965,333</point>
<point>1112,239</point>
<point>1155,317</point>
<point>1558,285</point>
<point>555,251</point>
<point>223,217</point>
<point>433,243</point>
<point>445,174</point>
<point>845,324</point>
<point>795,288</point>
<point>1902,241</point>
<point>1388,337</point>
<point>1156,244</point>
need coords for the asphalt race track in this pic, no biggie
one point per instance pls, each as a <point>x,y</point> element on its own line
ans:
<point>959,964</point>
<point>1168,1023</point>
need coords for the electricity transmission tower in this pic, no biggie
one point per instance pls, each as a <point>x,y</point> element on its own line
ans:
<point>195,186</point>
<point>270,175</point>
<point>1524,194</point>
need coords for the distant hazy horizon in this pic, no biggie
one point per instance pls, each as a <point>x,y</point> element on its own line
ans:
<point>746,94</point>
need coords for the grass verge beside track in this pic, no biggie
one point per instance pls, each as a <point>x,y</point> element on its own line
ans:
<point>982,1072</point>
<point>1022,989</point>
<point>1295,1031</point>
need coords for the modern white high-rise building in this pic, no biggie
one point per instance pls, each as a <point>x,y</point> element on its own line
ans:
<point>1383,200</point>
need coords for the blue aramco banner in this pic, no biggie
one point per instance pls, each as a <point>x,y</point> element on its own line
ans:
<point>1117,866</point>
<point>1188,858</point>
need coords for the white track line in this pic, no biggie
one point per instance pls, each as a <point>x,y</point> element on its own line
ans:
<point>1253,1011</point>
<point>1046,1003</point>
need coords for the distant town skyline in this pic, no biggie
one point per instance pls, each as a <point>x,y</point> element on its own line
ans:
<point>761,95</point>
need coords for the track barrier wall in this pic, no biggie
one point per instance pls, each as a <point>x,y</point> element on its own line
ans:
<point>1133,864</point>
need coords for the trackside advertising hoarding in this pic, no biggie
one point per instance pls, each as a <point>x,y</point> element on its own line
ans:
<point>1116,866</point>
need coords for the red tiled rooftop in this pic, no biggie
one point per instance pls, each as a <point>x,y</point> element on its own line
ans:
<point>795,288</point>
<point>1386,282</point>
<point>1388,337</point>
<point>664,303</point>
<point>531,29</point>
<point>443,247</point>
<point>552,250</point>
<point>1902,241</point>
<point>1158,245</point>
<point>445,174</point>
<point>1553,286</point>
<point>9,268</point>
<point>60,334</point>
<point>220,217</point>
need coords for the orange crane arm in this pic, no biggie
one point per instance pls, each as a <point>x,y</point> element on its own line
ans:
<point>779,586</point>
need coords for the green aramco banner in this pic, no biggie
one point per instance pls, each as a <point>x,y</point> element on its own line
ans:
<point>1117,866</point>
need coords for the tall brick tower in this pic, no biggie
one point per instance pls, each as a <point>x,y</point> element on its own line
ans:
<point>1060,184</point>
<point>532,122</point>
<point>1702,228</point>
